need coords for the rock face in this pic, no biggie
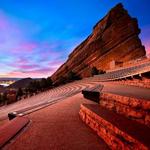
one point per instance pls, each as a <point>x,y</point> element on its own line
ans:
<point>114,38</point>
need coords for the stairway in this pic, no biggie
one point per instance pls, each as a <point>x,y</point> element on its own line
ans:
<point>122,122</point>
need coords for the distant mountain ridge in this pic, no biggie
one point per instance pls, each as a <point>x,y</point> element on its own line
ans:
<point>6,79</point>
<point>23,83</point>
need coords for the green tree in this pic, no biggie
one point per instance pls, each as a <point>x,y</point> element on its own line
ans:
<point>101,72</point>
<point>19,93</point>
<point>1,99</point>
<point>63,80</point>
<point>73,76</point>
<point>37,85</point>
<point>4,98</point>
<point>49,82</point>
<point>43,83</point>
<point>33,86</point>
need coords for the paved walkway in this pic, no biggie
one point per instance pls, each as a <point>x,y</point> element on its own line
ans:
<point>58,127</point>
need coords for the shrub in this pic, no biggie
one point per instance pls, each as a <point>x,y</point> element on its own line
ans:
<point>94,71</point>
<point>101,72</point>
<point>73,76</point>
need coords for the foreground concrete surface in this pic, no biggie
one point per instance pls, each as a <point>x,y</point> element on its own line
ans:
<point>58,127</point>
<point>10,129</point>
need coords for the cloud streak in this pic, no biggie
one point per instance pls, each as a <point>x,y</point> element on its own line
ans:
<point>25,57</point>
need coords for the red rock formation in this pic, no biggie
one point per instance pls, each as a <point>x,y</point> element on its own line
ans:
<point>115,37</point>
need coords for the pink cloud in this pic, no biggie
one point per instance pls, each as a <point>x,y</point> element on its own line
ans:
<point>13,36</point>
<point>145,37</point>
<point>42,70</point>
<point>55,63</point>
<point>48,51</point>
<point>26,67</point>
<point>38,73</point>
<point>22,60</point>
<point>146,43</point>
<point>26,47</point>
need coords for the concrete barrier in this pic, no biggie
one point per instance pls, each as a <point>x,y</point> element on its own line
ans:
<point>117,131</point>
<point>92,93</point>
<point>11,129</point>
<point>133,108</point>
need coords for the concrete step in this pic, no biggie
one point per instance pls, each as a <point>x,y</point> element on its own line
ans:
<point>131,107</point>
<point>93,93</point>
<point>117,131</point>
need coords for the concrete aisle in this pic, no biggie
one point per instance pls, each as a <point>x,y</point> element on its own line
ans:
<point>58,127</point>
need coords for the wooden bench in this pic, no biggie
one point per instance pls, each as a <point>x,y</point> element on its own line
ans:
<point>93,93</point>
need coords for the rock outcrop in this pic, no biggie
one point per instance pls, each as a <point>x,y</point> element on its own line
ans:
<point>114,38</point>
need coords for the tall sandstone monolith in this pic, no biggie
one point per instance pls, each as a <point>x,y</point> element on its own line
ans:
<point>114,38</point>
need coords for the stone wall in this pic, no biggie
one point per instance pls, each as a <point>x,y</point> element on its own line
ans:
<point>133,108</point>
<point>113,136</point>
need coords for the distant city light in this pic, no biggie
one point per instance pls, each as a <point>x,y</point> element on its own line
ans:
<point>4,84</point>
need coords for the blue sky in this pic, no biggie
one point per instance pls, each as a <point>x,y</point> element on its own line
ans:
<point>36,36</point>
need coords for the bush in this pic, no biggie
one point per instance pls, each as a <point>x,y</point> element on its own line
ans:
<point>73,76</point>
<point>19,93</point>
<point>63,80</point>
<point>43,83</point>
<point>101,72</point>
<point>49,82</point>
<point>94,71</point>
<point>3,98</point>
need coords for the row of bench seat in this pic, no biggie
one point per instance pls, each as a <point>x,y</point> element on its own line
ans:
<point>123,73</point>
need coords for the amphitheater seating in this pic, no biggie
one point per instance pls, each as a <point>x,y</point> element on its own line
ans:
<point>123,73</point>
<point>45,98</point>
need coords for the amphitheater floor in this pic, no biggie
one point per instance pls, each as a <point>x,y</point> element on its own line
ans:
<point>110,87</point>
<point>58,127</point>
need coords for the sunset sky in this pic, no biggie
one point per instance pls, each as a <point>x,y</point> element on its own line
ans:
<point>36,36</point>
